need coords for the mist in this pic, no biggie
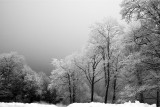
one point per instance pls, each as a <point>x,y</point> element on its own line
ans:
<point>45,29</point>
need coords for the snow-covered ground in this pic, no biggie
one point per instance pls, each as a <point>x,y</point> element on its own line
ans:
<point>136,104</point>
<point>25,105</point>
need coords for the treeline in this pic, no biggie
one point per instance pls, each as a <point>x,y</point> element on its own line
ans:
<point>19,83</point>
<point>117,64</point>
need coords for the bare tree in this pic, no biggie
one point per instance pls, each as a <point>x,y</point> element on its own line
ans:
<point>88,65</point>
<point>102,35</point>
<point>65,76</point>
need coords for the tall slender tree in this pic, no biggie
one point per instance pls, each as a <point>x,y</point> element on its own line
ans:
<point>102,35</point>
<point>88,64</point>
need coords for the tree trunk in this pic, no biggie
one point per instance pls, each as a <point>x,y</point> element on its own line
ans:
<point>114,89</point>
<point>92,90</point>
<point>74,90</point>
<point>141,98</point>
<point>108,69</point>
<point>104,68</point>
<point>157,102</point>
<point>107,87</point>
<point>69,87</point>
<point>74,95</point>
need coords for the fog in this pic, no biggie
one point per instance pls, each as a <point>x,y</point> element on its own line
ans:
<point>45,29</point>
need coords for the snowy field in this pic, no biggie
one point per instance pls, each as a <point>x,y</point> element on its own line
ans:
<point>136,104</point>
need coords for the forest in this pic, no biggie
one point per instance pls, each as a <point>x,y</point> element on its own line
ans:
<point>117,64</point>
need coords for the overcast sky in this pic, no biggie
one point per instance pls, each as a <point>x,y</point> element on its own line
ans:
<point>45,29</point>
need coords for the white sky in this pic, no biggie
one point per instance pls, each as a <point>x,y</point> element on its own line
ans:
<point>45,29</point>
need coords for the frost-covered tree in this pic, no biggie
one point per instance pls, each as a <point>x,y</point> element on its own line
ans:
<point>32,89</point>
<point>103,37</point>
<point>45,92</point>
<point>18,82</point>
<point>116,78</point>
<point>65,77</point>
<point>146,36</point>
<point>151,53</point>
<point>141,52</point>
<point>88,63</point>
<point>134,72</point>
<point>145,11</point>
<point>11,75</point>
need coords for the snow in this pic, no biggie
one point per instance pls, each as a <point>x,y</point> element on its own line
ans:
<point>128,104</point>
<point>25,105</point>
